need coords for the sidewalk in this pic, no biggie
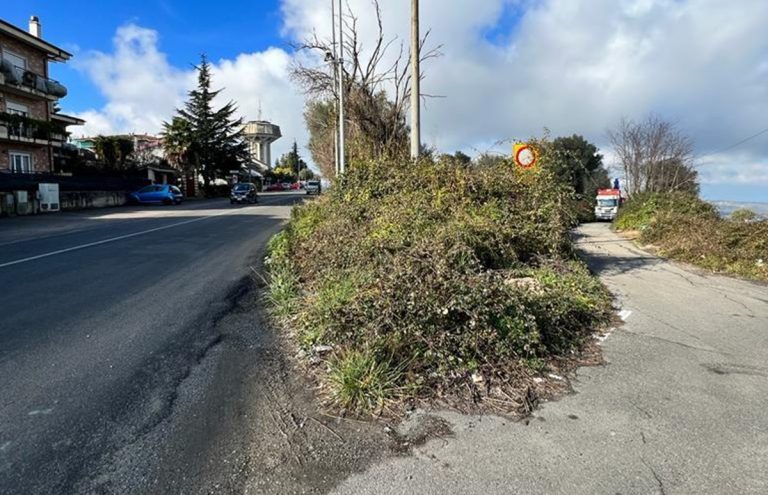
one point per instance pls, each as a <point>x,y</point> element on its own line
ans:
<point>20,228</point>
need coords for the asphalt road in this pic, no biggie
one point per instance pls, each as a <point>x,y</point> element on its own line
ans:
<point>108,339</point>
<point>681,407</point>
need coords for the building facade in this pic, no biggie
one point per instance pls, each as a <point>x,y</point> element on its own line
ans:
<point>31,129</point>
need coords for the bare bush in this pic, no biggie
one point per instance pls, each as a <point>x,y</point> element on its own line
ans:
<point>377,88</point>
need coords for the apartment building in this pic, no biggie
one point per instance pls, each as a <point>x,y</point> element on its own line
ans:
<point>31,129</point>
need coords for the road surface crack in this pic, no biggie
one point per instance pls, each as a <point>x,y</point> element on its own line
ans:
<point>681,344</point>
<point>749,310</point>
<point>656,477</point>
<point>678,274</point>
<point>645,412</point>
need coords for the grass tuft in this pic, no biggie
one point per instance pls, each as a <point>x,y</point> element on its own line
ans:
<point>363,383</point>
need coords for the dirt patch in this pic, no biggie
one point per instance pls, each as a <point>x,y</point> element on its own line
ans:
<point>417,430</point>
<point>257,425</point>
<point>296,446</point>
<point>632,235</point>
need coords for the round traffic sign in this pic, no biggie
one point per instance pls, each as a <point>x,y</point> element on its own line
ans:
<point>525,156</point>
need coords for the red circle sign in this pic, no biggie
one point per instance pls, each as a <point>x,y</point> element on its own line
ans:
<point>525,157</point>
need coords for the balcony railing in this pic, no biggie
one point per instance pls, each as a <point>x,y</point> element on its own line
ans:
<point>19,76</point>
<point>21,127</point>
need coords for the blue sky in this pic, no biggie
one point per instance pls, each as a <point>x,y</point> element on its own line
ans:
<point>187,28</point>
<point>510,69</point>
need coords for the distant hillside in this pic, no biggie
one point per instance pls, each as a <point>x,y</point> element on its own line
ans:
<point>728,207</point>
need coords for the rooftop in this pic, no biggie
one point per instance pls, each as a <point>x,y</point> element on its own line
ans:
<point>54,53</point>
<point>67,119</point>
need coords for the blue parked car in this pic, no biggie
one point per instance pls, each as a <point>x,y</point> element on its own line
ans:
<point>157,194</point>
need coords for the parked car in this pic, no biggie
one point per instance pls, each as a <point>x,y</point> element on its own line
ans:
<point>296,186</point>
<point>244,192</point>
<point>286,186</point>
<point>157,194</point>
<point>313,187</point>
<point>275,187</point>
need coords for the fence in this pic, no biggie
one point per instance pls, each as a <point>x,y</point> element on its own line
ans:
<point>29,182</point>
<point>74,192</point>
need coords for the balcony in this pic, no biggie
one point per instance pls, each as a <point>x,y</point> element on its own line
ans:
<point>23,129</point>
<point>26,82</point>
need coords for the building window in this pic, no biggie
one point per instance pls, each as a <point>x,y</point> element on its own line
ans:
<point>16,108</point>
<point>16,60</point>
<point>21,163</point>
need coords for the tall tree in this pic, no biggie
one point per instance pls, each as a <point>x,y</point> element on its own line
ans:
<point>212,139</point>
<point>575,161</point>
<point>306,174</point>
<point>292,160</point>
<point>655,156</point>
<point>114,151</point>
<point>459,157</point>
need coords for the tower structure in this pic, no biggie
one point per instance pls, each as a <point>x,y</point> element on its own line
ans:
<point>260,135</point>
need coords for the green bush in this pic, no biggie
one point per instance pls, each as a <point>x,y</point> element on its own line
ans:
<point>743,215</point>
<point>686,228</point>
<point>420,276</point>
<point>643,209</point>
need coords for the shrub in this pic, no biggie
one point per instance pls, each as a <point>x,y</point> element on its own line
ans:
<point>686,228</point>
<point>423,275</point>
<point>645,208</point>
<point>743,215</point>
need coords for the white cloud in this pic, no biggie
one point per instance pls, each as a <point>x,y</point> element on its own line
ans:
<point>739,168</point>
<point>580,65</point>
<point>260,84</point>
<point>573,66</point>
<point>141,87</point>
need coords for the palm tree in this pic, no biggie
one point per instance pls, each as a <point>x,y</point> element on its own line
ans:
<point>177,140</point>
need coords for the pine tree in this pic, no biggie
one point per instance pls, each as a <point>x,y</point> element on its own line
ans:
<point>212,139</point>
<point>292,161</point>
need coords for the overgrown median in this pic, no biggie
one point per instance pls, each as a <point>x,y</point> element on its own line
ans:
<point>681,226</point>
<point>434,280</point>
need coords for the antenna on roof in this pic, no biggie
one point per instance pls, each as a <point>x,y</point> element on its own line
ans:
<point>259,109</point>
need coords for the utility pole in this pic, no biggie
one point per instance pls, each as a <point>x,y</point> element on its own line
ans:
<point>415,82</point>
<point>335,85</point>
<point>340,60</point>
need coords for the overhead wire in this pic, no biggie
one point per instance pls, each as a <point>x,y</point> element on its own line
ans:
<point>734,145</point>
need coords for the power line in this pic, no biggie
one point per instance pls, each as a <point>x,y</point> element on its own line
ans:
<point>737,144</point>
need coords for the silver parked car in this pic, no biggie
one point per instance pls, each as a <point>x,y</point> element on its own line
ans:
<point>313,187</point>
